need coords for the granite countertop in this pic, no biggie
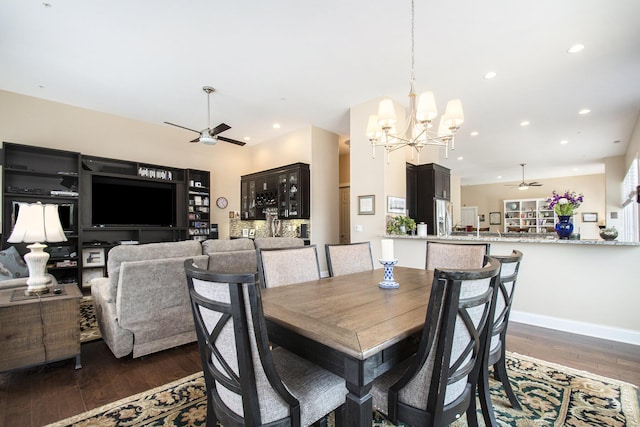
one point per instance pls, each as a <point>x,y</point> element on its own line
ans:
<point>551,239</point>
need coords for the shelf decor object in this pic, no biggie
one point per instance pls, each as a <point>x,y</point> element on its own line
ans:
<point>37,223</point>
<point>388,261</point>
<point>418,131</point>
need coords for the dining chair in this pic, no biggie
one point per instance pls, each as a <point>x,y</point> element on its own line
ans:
<point>247,383</point>
<point>438,384</point>
<point>286,266</point>
<point>348,258</point>
<point>455,255</point>
<point>497,341</point>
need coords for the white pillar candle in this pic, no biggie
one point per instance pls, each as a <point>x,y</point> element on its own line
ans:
<point>387,249</point>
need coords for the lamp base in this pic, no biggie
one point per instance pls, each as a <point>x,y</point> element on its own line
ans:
<point>36,262</point>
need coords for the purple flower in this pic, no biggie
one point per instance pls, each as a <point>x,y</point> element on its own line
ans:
<point>565,204</point>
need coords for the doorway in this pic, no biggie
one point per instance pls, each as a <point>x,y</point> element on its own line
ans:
<point>469,216</point>
<point>345,212</point>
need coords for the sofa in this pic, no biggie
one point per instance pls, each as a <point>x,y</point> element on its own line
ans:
<point>143,306</point>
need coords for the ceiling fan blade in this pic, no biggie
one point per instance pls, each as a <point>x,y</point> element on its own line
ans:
<point>535,184</point>
<point>233,141</point>
<point>195,140</point>
<point>219,129</point>
<point>178,126</point>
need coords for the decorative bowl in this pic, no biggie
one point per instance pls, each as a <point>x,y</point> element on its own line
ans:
<point>609,233</point>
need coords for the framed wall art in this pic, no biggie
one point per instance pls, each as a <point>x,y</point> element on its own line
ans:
<point>396,205</point>
<point>367,205</point>
<point>589,217</point>
<point>495,218</point>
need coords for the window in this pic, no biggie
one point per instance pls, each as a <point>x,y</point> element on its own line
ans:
<point>630,231</point>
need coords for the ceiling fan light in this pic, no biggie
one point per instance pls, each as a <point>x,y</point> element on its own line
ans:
<point>208,140</point>
<point>523,187</point>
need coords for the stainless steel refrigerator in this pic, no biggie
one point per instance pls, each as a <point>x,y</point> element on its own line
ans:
<point>442,217</point>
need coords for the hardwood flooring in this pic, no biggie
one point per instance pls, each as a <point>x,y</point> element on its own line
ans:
<point>38,396</point>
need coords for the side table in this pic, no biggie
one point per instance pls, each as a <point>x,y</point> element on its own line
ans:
<point>39,329</point>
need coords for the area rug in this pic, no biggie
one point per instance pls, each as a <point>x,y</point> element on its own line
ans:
<point>550,394</point>
<point>88,323</point>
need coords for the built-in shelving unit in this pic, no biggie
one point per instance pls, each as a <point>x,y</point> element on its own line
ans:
<point>199,204</point>
<point>102,202</point>
<point>528,215</point>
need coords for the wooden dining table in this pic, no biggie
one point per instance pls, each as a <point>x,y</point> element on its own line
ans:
<point>352,327</point>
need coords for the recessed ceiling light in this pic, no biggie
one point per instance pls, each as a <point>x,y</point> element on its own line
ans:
<point>575,48</point>
<point>474,133</point>
<point>584,111</point>
<point>525,123</point>
<point>276,125</point>
<point>460,158</point>
<point>564,141</point>
<point>499,176</point>
<point>575,169</point>
<point>490,75</point>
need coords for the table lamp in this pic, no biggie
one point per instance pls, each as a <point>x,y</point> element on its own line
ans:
<point>37,223</point>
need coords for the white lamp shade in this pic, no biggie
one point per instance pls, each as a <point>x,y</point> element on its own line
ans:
<point>37,223</point>
<point>443,129</point>
<point>373,130</point>
<point>386,114</point>
<point>454,116</point>
<point>426,110</point>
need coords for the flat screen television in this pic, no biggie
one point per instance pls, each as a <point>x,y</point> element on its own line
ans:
<point>132,202</point>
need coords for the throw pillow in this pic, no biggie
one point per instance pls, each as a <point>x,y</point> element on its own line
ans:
<point>12,266</point>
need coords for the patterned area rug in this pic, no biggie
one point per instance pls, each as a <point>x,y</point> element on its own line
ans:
<point>88,324</point>
<point>551,395</point>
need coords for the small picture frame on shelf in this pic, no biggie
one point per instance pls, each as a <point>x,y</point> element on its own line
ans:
<point>252,233</point>
<point>93,257</point>
<point>589,217</point>
<point>367,205</point>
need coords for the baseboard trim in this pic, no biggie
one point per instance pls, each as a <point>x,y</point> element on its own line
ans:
<point>582,328</point>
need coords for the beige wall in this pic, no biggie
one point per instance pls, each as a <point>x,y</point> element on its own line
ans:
<point>490,197</point>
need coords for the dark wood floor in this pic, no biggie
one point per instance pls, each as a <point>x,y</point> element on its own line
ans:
<point>38,396</point>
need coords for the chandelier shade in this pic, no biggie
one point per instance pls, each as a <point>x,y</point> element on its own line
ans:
<point>417,132</point>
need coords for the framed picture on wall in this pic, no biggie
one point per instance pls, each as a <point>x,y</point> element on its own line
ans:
<point>367,205</point>
<point>494,218</point>
<point>590,217</point>
<point>396,205</point>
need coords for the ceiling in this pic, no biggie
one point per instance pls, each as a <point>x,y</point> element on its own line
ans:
<point>297,62</point>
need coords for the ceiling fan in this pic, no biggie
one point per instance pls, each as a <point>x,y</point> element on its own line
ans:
<point>524,185</point>
<point>210,136</point>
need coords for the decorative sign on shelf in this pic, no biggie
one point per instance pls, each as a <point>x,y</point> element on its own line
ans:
<point>155,173</point>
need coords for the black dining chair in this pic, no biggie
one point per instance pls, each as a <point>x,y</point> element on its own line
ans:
<point>248,384</point>
<point>453,255</point>
<point>497,341</point>
<point>348,258</point>
<point>438,384</point>
<point>286,266</point>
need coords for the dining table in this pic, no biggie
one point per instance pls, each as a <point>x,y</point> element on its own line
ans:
<point>351,326</point>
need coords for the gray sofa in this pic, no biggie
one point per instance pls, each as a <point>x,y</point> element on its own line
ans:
<point>143,306</point>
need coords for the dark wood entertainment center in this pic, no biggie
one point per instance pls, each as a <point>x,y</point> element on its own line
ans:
<point>69,179</point>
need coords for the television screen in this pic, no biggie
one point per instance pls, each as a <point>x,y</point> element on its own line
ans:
<point>126,202</point>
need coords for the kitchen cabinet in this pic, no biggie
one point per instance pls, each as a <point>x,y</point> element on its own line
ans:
<point>286,189</point>
<point>426,184</point>
<point>528,216</point>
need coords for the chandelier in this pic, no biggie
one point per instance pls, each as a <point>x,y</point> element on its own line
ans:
<point>418,131</point>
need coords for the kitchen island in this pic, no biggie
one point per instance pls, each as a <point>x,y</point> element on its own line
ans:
<point>588,287</point>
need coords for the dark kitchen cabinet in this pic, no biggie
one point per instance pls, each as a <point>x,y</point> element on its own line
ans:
<point>426,183</point>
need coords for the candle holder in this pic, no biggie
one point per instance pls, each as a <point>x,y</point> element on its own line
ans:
<point>388,282</point>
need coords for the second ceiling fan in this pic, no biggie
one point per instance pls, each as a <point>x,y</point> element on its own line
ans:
<point>524,185</point>
<point>210,136</point>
